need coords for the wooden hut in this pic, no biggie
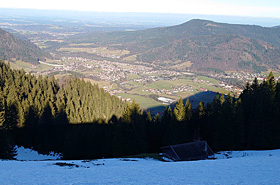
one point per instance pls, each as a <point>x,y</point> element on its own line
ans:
<point>188,151</point>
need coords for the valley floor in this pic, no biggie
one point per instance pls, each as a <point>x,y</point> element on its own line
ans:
<point>246,167</point>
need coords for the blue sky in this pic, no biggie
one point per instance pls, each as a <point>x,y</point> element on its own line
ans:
<point>252,8</point>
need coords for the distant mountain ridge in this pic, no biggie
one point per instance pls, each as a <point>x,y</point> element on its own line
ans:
<point>13,48</point>
<point>221,52</point>
<point>206,44</point>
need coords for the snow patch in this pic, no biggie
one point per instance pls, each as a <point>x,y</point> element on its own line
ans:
<point>26,154</point>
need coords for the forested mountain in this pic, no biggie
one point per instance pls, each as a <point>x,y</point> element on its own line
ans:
<point>219,52</point>
<point>206,44</point>
<point>13,48</point>
<point>82,121</point>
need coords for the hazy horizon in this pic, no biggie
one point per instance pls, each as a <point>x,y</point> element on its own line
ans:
<point>152,19</point>
<point>260,8</point>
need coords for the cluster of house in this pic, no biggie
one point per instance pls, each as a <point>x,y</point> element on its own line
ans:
<point>240,76</point>
<point>174,90</point>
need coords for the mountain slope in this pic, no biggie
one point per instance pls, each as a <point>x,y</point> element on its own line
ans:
<point>206,44</point>
<point>192,28</point>
<point>218,52</point>
<point>13,48</point>
<point>203,27</point>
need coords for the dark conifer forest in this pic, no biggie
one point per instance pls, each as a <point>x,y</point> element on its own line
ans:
<point>82,121</point>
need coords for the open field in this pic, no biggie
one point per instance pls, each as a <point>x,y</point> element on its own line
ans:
<point>133,76</point>
<point>166,84</point>
<point>102,51</point>
<point>54,61</point>
<point>80,44</point>
<point>43,67</point>
<point>19,65</point>
<point>211,80</point>
<point>160,85</point>
<point>145,102</point>
<point>130,58</point>
<point>181,66</point>
<point>100,83</point>
<point>28,67</point>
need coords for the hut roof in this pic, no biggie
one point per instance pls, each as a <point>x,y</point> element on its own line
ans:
<point>188,151</point>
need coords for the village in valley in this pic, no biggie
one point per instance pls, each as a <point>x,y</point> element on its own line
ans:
<point>130,81</point>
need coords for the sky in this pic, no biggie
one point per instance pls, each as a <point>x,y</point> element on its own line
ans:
<point>252,8</point>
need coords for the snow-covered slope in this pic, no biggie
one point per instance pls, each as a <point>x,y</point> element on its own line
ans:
<point>258,167</point>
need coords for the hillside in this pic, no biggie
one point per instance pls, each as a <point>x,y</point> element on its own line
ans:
<point>13,48</point>
<point>206,44</point>
<point>218,52</point>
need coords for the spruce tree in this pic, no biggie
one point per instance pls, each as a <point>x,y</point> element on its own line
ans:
<point>222,99</point>
<point>270,80</point>
<point>167,114</point>
<point>189,110</point>
<point>11,116</point>
<point>180,111</point>
<point>156,119</point>
<point>149,117</point>
<point>200,110</point>
<point>199,115</point>
<point>2,110</point>
<point>126,117</point>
